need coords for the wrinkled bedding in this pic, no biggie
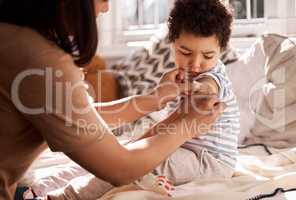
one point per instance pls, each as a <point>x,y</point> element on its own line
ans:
<point>261,172</point>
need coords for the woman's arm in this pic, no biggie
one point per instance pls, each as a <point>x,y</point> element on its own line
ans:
<point>127,110</point>
<point>118,164</point>
<point>164,123</point>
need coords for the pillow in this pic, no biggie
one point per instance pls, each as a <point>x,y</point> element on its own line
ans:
<point>159,61</point>
<point>127,73</point>
<point>244,74</point>
<point>275,122</point>
<point>141,71</point>
<point>229,56</point>
<point>103,86</point>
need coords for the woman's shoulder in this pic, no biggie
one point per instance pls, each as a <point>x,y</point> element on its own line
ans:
<point>31,48</point>
<point>25,49</point>
<point>10,33</point>
<point>29,42</point>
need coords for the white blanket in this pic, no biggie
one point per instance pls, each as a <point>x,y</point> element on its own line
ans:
<point>258,175</point>
<point>259,171</point>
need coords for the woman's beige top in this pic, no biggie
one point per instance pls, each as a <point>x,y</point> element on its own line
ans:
<point>43,101</point>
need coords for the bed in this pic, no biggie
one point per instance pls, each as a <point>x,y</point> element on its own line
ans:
<point>266,167</point>
<point>262,173</point>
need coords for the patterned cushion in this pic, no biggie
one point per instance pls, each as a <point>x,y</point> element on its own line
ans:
<point>141,71</point>
<point>229,56</point>
<point>124,69</point>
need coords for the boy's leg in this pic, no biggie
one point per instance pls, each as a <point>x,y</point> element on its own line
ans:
<point>184,166</point>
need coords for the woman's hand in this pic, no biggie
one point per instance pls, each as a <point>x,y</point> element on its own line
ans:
<point>197,113</point>
<point>193,117</point>
<point>170,76</point>
<point>169,88</point>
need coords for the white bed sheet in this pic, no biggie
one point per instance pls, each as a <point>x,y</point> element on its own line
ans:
<point>257,173</point>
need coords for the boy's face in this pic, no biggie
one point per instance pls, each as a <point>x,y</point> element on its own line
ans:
<point>195,55</point>
<point>101,6</point>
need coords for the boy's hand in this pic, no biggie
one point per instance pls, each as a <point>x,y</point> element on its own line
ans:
<point>169,88</point>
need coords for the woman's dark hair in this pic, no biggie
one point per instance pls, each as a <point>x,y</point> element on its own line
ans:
<point>202,18</point>
<point>71,24</point>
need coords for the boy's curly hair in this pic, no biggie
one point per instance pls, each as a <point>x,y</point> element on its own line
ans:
<point>202,18</point>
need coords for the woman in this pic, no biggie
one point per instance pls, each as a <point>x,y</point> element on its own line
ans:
<point>44,102</point>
